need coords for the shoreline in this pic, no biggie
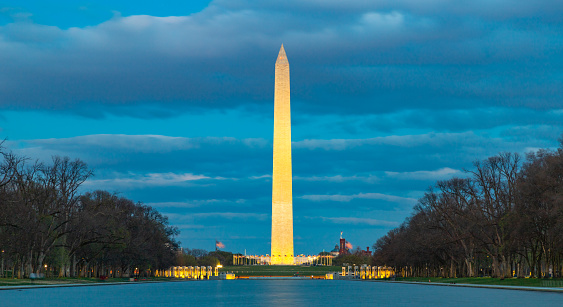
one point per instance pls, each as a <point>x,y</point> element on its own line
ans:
<point>507,287</point>
<point>116,283</point>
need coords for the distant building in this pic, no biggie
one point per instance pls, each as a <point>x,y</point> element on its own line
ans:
<point>343,248</point>
<point>367,252</point>
<point>335,251</point>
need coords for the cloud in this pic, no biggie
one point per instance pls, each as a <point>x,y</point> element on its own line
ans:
<point>535,132</point>
<point>391,140</point>
<point>352,58</point>
<point>143,180</point>
<point>260,177</point>
<point>144,154</point>
<point>359,221</point>
<point>338,178</point>
<point>494,10</point>
<point>348,198</point>
<point>439,174</point>
<point>451,120</point>
<point>133,143</point>
<point>193,203</point>
<point>346,162</point>
<point>190,226</point>
<point>173,204</point>
<point>232,215</point>
<point>217,215</point>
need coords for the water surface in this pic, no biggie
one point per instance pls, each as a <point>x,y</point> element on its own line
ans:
<point>276,293</point>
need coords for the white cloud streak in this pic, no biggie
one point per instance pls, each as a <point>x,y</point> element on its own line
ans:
<point>194,203</point>
<point>178,218</point>
<point>134,143</point>
<point>356,221</point>
<point>144,180</point>
<point>338,178</point>
<point>348,198</point>
<point>442,173</point>
<point>392,140</point>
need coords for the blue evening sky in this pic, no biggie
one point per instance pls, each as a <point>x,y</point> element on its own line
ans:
<point>171,103</point>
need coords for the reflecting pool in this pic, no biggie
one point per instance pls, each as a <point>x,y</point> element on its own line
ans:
<point>276,293</point>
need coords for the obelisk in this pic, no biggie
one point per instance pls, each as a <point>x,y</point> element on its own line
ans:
<point>282,199</point>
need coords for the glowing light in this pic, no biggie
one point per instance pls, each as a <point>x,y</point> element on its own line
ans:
<point>230,276</point>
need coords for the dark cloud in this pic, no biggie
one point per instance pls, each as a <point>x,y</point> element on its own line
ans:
<point>452,120</point>
<point>362,58</point>
<point>497,10</point>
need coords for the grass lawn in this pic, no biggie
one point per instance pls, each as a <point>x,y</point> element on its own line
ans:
<point>525,282</point>
<point>280,270</point>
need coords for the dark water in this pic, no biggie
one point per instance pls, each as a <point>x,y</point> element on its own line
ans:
<point>276,293</point>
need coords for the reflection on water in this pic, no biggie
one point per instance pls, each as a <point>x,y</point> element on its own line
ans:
<point>276,293</point>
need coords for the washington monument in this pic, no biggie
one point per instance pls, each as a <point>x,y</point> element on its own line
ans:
<point>282,199</point>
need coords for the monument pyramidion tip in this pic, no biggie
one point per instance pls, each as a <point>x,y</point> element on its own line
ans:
<point>281,56</point>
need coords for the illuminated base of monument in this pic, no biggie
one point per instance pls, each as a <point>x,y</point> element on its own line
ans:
<point>281,260</point>
<point>297,260</point>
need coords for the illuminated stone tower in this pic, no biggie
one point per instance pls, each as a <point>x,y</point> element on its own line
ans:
<point>282,199</point>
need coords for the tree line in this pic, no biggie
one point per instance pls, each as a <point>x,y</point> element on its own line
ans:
<point>48,226</point>
<point>503,219</point>
<point>201,257</point>
<point>356,258</point>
